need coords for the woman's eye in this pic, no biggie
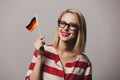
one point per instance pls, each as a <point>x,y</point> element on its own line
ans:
<point>72,25</point>
<point>63,23</point>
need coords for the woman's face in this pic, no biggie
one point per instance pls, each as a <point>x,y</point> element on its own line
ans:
<point>68,27</point>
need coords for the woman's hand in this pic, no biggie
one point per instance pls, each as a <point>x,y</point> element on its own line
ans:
<point>39,45</point>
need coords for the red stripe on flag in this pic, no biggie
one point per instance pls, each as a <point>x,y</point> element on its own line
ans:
<point>31,25</point>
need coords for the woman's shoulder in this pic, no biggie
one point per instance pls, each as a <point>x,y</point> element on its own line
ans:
<point>49,48</point>
<point>84,58</point>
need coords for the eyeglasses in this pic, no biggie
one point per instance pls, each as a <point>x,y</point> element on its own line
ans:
<point>71,26</point>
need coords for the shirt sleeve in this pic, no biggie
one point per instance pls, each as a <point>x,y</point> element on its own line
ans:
<point>31,66</point>
<point>88,72</point>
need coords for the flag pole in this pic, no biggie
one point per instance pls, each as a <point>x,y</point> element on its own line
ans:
<point>38,25</point>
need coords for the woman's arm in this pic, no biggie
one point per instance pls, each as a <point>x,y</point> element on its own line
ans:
<point>36,73</point>
<point>88,72</point>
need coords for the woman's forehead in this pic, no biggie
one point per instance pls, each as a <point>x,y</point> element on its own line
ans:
<point>69,17</point>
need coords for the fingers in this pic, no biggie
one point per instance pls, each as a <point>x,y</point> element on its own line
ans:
<point>39,43</point>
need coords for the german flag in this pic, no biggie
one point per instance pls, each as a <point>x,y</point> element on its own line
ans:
<point>32,25</point>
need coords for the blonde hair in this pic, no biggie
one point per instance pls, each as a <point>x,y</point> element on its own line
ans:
<point>81,35</point>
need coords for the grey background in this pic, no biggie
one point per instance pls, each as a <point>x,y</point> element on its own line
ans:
<point>16,43</point>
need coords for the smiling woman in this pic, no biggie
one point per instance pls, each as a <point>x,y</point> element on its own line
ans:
<point>64,59</point>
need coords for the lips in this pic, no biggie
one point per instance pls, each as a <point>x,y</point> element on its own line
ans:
<point>65,34</point>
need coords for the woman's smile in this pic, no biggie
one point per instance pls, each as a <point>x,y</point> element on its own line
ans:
<point>65,34</point>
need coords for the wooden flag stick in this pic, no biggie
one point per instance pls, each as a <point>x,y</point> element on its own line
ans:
<point>38,25</point>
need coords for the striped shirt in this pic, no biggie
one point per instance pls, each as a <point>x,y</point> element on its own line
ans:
<point>52,68</point>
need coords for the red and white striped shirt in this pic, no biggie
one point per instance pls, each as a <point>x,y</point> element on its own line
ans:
<point>52,68</point>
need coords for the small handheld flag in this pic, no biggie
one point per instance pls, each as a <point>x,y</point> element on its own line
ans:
<point>32,25</point>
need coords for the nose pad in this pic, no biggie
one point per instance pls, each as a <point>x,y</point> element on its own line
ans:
<point>66,27</point>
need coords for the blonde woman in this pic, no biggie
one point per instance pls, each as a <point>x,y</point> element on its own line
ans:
<point>64,59</point>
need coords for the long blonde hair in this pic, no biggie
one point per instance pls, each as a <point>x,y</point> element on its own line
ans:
<point>81,35</point>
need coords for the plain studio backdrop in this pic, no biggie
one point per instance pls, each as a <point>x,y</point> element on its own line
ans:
<point>16,42</point>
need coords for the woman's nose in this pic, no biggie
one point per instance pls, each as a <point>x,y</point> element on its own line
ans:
<point>66,27</point>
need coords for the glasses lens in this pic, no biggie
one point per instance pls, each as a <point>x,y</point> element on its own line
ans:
<point>73,26</point>
<point>62,24</point>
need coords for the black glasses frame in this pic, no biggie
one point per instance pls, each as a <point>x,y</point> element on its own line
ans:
<point>71,26</point>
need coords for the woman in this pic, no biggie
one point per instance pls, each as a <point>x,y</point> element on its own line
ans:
<point>64,58</point>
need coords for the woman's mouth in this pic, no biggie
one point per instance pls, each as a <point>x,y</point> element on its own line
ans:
<point>65,34</point>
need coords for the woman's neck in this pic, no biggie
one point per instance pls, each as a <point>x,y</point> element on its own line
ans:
<point>65,46</point>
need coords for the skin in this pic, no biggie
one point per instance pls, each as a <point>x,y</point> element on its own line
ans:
<point>64,49</point>
<point>67,40</point>
<point>67,34</point>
